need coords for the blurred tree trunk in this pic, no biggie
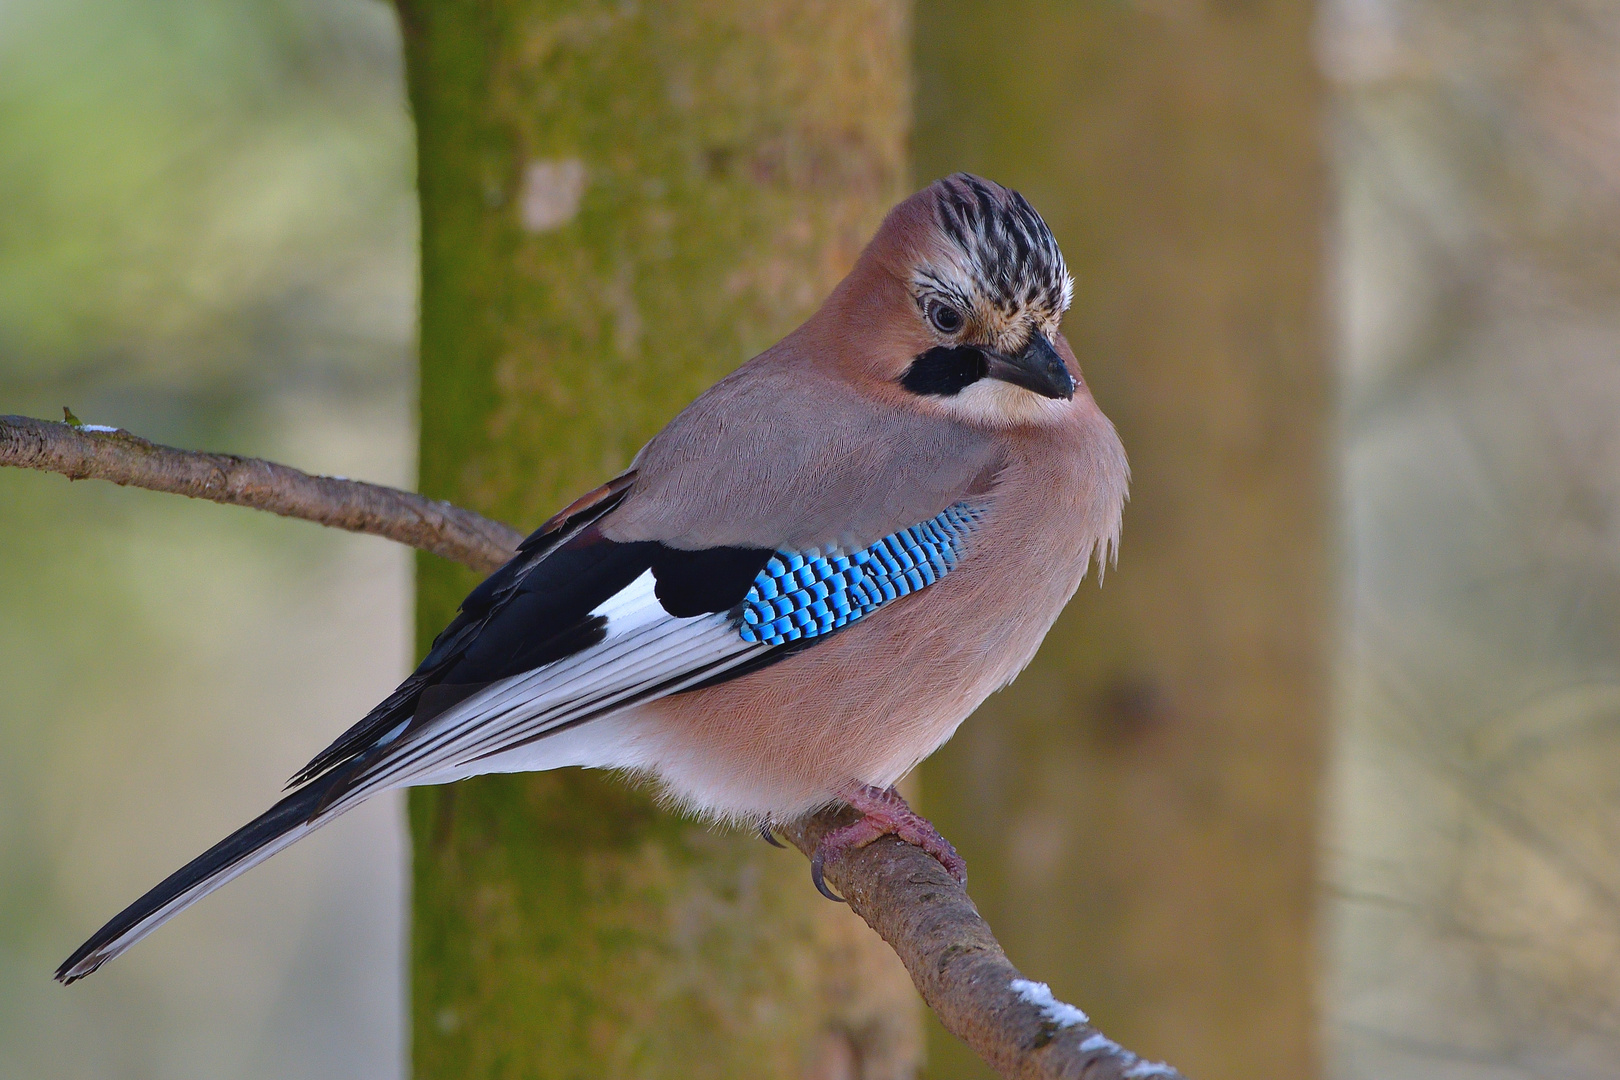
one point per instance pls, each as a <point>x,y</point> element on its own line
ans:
<point>620,203</point>
<point>1139,810</point>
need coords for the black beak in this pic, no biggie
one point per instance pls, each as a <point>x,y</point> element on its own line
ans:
<point>1038,368</point>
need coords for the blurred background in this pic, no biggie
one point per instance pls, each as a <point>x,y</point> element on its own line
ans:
<point>1473,842</point>
<point>207,235</point>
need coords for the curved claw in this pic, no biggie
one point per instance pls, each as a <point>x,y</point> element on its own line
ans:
<point>819,881</point>
<point>883,813</point>
<point>768,836</point>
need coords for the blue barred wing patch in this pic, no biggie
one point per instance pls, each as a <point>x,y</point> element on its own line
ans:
<point>806,594</point>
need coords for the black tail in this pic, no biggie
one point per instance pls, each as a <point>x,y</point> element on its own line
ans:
<point>304,811</point>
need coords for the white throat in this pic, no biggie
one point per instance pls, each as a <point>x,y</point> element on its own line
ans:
<point>994,403</point>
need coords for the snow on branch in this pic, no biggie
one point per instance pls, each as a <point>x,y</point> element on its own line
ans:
<point>1014,1024</point>
<point>958,966</point>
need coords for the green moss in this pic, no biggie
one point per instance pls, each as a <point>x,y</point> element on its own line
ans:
<point>735,157</point>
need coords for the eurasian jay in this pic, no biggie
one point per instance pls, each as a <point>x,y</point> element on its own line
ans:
<point>799,588</point>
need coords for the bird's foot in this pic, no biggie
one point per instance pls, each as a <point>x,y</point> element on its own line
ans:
<point>883,813</point>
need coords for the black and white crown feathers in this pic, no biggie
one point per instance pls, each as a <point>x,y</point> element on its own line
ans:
<point>1008,248</point>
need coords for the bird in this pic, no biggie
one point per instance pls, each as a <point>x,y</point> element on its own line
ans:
<point>796,591</point>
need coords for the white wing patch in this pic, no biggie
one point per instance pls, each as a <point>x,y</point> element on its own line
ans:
<point>647,654</point>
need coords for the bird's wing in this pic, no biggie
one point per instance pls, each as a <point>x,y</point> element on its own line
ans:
<point>477,609</point>
<point>589,626</point>
<point>626,650</point>
<point>598,627</point>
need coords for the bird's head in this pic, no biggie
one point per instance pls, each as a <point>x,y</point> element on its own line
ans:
<point>984,289</point>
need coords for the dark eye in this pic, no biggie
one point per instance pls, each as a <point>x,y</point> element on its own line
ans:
<point>946,319</point>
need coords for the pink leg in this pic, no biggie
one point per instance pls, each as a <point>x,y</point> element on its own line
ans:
<point>883,813</point>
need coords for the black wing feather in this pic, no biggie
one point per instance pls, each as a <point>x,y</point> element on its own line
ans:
<point>706,580</point>
<point>536,610</point>
<point>455,639</point>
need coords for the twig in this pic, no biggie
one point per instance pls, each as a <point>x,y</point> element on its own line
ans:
<point>80,452</point>
<point>902,893</point>
<point>1014,1024</point>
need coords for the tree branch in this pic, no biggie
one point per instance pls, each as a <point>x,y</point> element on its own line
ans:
<point>87,452</point>
<point>902,893</point>
<point>959,967</point>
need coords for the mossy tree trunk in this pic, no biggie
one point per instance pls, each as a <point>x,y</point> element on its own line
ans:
<point>620,203</point>
<point>1139,810</point>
